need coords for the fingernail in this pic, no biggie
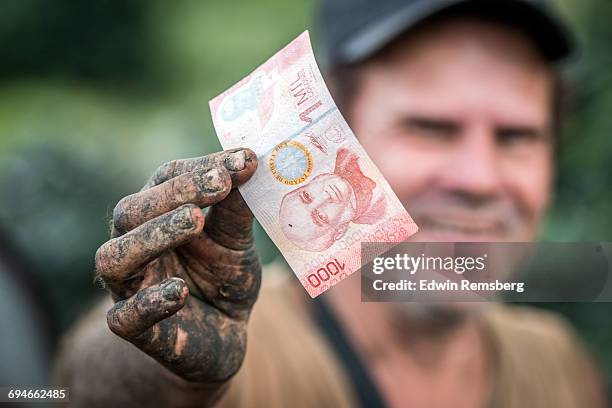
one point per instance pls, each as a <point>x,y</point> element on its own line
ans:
<point>212,181</point>
<point>235,161</point>
<point>99,282</point>
<point>182,219</point>
<point>171,290</point>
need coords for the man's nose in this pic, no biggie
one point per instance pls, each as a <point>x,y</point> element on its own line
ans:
<point>318,200</point>
<point>473,168</point>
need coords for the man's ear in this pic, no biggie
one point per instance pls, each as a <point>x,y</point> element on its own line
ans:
<point>341,231</point>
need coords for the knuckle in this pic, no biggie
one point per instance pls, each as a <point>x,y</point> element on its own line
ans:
<point>109,258</point>
<point>120,215</point>
<point>174,190</point>
<point>164,172</point>
<point>101,260</point>
<point>182,218</point>
<point>113,321</point>
<point>224,177</point>
<point>141,300</point>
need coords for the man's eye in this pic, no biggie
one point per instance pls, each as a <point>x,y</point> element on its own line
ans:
<point>519,136</point>
<point>440,130</point>
<point>305,196</point>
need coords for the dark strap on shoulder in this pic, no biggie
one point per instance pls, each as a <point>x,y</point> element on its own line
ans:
<point>367,393</point>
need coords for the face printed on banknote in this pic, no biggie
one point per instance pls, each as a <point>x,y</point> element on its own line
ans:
<point>315,192</point>
<point>316,215</point>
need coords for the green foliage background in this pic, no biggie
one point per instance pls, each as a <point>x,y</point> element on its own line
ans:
<point>95,95</point>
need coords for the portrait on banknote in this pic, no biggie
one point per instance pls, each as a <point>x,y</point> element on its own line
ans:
<point>317,214</point>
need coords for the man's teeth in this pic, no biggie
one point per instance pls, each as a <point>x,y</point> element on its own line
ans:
<point>462,228</point>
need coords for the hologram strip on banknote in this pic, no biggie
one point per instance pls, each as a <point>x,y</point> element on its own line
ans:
<point>315,192</point>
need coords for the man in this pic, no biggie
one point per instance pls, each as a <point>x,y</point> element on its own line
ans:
<point>455,101</point>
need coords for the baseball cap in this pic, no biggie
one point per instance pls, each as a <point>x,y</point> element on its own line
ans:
<point>350,31</point>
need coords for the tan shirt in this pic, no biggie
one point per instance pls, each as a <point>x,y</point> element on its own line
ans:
<point>539,361</point>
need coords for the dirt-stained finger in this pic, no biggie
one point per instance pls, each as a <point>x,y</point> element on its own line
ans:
<point>241,163</point>
<point>230,222</point>
<point>202,187</point>
<point>130,318</point>
<point>120,257</point>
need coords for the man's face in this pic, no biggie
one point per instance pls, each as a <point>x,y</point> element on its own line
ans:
<point>458,119</point>
<point>316,214</point>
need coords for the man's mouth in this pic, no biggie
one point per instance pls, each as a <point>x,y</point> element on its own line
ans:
<point>457,229</point>
<point>319,218</point>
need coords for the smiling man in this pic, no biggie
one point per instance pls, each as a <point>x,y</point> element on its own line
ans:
<point>459,117</point>
<point>457,103</point>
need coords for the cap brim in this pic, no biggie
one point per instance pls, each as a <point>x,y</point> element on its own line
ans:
<point>550,34</point>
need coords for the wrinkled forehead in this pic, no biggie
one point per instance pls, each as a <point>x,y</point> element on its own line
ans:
<point>321,181</point>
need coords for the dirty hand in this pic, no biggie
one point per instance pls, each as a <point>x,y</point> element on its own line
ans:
<point>184,282</point>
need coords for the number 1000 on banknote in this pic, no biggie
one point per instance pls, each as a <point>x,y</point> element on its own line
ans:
<point>315,192</point>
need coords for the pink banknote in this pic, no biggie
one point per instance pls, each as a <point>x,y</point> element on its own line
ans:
<point>315,192</point>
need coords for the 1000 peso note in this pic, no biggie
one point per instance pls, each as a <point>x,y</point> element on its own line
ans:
<point>315,192</point>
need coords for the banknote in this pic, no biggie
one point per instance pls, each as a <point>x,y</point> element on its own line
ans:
<point>316,192</point>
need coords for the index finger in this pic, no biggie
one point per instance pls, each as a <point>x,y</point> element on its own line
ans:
<point>240,163</point>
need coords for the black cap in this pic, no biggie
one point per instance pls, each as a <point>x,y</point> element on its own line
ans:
<point>353,30</point>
